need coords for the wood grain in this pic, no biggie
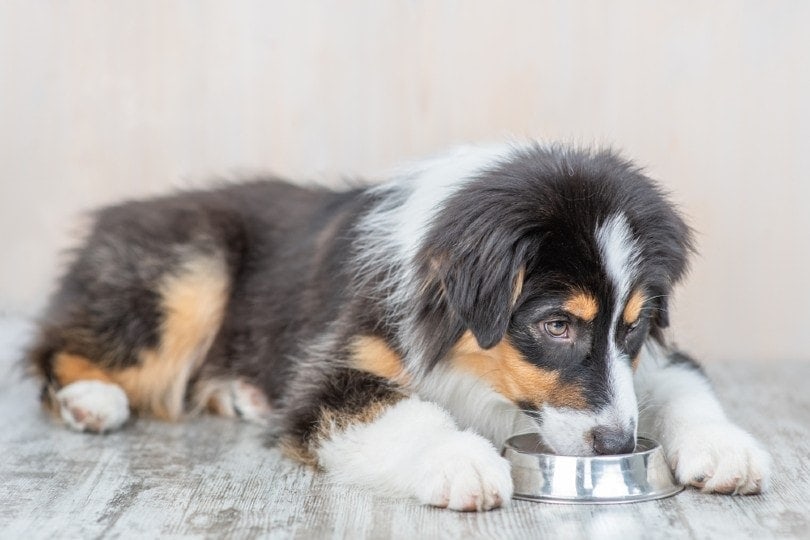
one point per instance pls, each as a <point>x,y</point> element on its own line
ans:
<point>216,478</point>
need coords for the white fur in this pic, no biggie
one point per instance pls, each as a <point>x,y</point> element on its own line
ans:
<point>566,431</point>
<point>428,184</point>
<point>93,406</point>
<point>623,405</point>
<point>415,449</point>
<point>704,448</point>
<point>474,404</point>
<point>619,254</point>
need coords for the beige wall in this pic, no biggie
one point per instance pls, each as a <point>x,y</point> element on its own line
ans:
<point>103,100</point>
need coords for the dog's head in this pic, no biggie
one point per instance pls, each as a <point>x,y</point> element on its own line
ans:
<point>554,267</point>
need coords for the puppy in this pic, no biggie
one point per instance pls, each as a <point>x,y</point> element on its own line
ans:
<point>395,335</point>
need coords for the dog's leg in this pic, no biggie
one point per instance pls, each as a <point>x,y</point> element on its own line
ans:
<point>678,407</point>
<point>414,449</point>
<point>361,429</point>
<point>94,391</point>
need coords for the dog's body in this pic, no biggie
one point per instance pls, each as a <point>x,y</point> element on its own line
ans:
<point>395,335</point>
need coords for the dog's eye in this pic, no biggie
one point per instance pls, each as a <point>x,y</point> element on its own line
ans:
<point>632,327</point>
<point>557,329</point>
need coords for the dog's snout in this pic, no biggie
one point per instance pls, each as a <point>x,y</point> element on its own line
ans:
<point>612,440</point>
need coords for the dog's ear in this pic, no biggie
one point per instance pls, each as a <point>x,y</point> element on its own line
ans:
<point>481,289</point>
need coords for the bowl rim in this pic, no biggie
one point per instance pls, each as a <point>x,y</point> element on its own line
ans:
<point>652,446</point>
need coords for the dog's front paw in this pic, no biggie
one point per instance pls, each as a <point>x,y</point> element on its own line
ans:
<point>465,473</point>
<point>719,457</point>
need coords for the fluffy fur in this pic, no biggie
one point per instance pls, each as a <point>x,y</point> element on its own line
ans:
<point>395,335</point>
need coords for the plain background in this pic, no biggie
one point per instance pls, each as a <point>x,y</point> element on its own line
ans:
<point>107,100</point>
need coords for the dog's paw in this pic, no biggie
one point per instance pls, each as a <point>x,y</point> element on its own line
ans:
<point>465,473</point>
<point>240,399</point>
<point>719,457</point>
<point>93,406</point>
<point>249,402</point>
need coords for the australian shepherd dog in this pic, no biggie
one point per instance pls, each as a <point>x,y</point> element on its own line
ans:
<point>394,335</point>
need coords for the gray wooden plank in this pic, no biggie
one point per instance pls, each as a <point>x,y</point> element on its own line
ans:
<point>215,478</point>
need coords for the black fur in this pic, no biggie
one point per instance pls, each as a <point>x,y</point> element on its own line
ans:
<point>298,294</point>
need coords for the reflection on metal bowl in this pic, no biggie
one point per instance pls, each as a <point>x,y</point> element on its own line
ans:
<point>542,476</point>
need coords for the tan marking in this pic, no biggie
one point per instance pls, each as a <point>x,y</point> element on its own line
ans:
<point>521,276</point>
<point>582,305</point>
<point>510,374</point>
<point>632,310</point>
<point>69,368</point>
<point>635,361</point>
<point>373,355</point>
<point>193,303</point>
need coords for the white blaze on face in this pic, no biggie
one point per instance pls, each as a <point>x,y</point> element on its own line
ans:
<point>620,257</point>
<point>566,431</point>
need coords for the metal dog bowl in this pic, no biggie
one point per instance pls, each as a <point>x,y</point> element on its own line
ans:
<point>538,475</point>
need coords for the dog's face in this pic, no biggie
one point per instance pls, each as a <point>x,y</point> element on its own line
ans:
<point>586,321</point>
<point>559,267</point>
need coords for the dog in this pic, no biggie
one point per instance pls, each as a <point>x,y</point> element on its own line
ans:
<point>395,335</point>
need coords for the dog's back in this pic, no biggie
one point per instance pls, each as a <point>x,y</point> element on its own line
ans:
<point>195,288</point>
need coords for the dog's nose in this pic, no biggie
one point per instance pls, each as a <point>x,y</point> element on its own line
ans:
<point>611,440</point>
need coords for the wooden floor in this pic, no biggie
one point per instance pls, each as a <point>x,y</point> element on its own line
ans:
<point>216,478</point>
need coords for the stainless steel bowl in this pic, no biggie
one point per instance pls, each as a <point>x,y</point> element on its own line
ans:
<point>542,476</point>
